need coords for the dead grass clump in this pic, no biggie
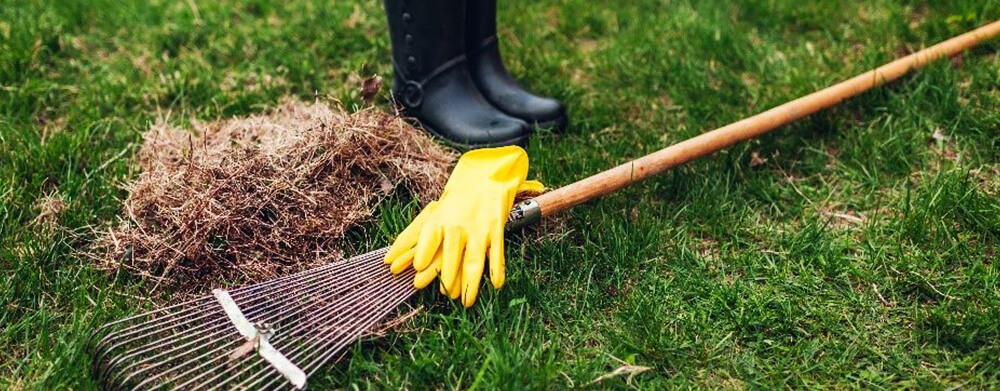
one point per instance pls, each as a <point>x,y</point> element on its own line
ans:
<point>50,207</point>
<point>249,198</point>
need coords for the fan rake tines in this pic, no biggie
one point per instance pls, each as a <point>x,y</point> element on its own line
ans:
<point>309,318</point>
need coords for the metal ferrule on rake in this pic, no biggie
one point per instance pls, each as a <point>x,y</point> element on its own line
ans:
<point>524,214</point>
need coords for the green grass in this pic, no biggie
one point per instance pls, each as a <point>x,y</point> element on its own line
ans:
<point>861,254</point>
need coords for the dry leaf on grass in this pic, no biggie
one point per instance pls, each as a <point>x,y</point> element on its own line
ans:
<point>370,87</point>
<point>249,198</point>
<point>394,323</point>
<point>625,369</point>
<point>943,146</point>
<point>50,207</point>
<point>938,135</point>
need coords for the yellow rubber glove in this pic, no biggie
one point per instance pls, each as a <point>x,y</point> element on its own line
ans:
<point>452,236</point>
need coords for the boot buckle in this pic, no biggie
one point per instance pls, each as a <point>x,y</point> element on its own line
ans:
<point>412,94</point>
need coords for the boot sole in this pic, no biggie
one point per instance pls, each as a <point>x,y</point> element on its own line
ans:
<point>521,141</point>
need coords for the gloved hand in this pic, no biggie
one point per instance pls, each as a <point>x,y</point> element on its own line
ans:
<point>451,236</point>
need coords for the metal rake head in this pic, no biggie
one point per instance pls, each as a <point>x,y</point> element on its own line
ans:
<point>269,335</point>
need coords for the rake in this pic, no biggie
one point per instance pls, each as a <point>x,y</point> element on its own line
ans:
<point>275,334</point>
<point>249,338</point>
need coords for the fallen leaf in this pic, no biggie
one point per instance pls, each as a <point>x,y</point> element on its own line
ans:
<point>938,135</point>
<point>958,60</point>
<point>50,208</point>
<point>943,146</point>
<point>627,369</point>
<point>370,87</point>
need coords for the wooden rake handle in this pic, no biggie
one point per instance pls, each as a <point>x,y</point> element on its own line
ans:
<point>721,138</point>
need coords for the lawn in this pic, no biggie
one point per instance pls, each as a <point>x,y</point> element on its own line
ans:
<point>854,249</point>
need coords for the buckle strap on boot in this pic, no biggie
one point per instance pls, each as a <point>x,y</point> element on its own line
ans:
<point>485,43</point>
<point>413,90</point>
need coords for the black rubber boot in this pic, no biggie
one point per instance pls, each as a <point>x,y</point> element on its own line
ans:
<point>492,77</point>
<point>432,79</point>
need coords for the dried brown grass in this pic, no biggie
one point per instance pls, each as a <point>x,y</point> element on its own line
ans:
<point>50,207</point>
<point>249,198</point>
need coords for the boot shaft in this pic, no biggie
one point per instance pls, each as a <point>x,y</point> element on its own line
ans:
<point>425,34</point>
<point>480,23</point>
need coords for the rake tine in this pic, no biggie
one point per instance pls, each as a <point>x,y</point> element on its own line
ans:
<point>207,302</point>
<point>326,281</point>
<point>330,307</point>
<point>310,289</point>
<point>205,308</point>
<point>402,289</point>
